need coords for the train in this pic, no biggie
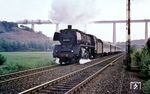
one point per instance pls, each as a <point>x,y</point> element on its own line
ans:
<point>75,45</point>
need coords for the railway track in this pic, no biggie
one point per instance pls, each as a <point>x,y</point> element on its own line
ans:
<point>73,82</point>
<point>19,83</point>
<point>23,73</point>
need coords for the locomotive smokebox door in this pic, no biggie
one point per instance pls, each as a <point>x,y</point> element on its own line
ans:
<point>56,36</point>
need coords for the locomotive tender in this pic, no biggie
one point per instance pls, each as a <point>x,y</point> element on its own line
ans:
<point>75,44</point>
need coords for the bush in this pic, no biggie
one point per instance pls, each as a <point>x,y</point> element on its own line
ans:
<point>133,49</point>
<point>145,68</point>
<point>12,68</point>
<point>142,60</point>
<point>147,87</point>
<point>148,43</point>
<point>2,59</point>
<point>137,58</point>
<point>145,62</point>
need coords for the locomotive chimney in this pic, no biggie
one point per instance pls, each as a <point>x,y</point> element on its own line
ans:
<point>69,26</point>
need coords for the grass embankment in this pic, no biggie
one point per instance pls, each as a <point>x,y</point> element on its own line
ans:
<point>18,61</point>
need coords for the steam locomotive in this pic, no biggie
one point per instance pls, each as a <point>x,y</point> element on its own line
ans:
<point>75,44</point>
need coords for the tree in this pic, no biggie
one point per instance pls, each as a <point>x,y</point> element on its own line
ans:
<point>148,43</point>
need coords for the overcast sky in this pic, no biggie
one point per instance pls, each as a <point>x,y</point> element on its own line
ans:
<point>15,10</point>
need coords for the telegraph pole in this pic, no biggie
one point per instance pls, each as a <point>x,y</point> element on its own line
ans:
<point>128,56</point>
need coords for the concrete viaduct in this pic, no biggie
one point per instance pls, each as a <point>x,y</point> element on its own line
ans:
<point>113,22</point>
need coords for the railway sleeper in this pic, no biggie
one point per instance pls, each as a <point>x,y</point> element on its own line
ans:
<point>65,87</point>
<point>50,92</point>
<point>54,90</point>
<point>58,89</point>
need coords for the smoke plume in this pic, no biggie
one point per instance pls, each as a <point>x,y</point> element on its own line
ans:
<point>72,11</point>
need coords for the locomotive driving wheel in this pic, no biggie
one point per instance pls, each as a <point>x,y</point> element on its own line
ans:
<point>77,60</point>
<point>60,62</point>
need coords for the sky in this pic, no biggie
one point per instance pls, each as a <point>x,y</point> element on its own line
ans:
<point>16,10</point>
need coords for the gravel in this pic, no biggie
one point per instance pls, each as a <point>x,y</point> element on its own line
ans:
<point>130,76</point>
<point>113,80</point>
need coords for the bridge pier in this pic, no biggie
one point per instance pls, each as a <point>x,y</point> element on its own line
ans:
<point>114,33</point>
<point>146,31</point>
<point>57,27</point>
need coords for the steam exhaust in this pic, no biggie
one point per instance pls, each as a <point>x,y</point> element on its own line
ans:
<point>83,61</point>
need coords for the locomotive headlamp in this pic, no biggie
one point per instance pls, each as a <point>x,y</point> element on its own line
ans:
<point>71,50</point>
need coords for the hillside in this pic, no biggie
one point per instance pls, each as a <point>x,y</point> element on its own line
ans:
<point>15,38</point>
<point>137,43</point>
<point>24,36</point>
